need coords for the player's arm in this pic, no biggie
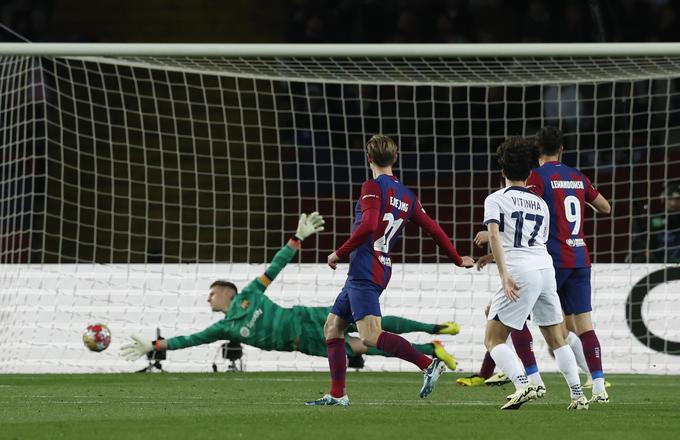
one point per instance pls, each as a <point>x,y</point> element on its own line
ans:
<point>492,221</point>
<point>596,200</point>
<point>509,286</point>
<point>484,261</point>
<point>601,205</point>
<point>139,347</point>
<point>307,225</point>
<point>435,231</point>
<point>369,203</point>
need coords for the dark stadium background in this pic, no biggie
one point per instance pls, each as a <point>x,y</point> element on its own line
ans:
<point>350,21</point>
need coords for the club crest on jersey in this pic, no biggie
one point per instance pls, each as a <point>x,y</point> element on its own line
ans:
<point>575,242</point>
<point>400,205</point>
<point>245,303</point>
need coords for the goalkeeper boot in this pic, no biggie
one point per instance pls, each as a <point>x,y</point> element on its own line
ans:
<point>497,379</point>
<point>520,397</point>
<point>580,403</point>
<point>447,328</point>
<point>472,381</point>
<point>329,400</point>
<point>431,376</point>
<point>602,397</point>
<point>444,356</point>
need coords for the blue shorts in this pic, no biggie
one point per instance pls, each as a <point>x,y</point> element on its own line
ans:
<point>357,299</point>
<point>573,288</point>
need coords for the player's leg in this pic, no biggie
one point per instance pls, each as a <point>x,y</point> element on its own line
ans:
<point>398,325</point>
<point>434,348</point>
<point>523,342</point>
<point>575,343</point>
<point>485,371</point>
<point>566,363</point>
<point>334,333</point>
<point>504,316</point>
<point>547,313</point>
<point>364,299</point>
<point>495,339</point>
<point>578,293</point>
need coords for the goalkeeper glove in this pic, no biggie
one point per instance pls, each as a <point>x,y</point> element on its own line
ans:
<point>309,224</point>
<point>137,349</point>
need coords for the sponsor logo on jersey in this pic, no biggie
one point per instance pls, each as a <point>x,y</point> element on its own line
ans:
<point>575,242</point>
<point>245,330</point>
<point>526,203</point>
<point>255,317</point>
<point>370,196</point>
<point>566,184</point>
<point>400,205</point>
<point>386,261</point>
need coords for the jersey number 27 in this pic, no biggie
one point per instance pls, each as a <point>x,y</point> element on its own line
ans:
<point>383,243</point>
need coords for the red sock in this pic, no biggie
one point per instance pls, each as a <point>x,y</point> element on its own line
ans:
<point>523,343</point>
<point>488,365</point>
<point>401,348</point>
<point>592,352</point>
<point>337,361</point>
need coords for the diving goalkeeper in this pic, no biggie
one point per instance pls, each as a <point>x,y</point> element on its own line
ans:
<point>252,318</point>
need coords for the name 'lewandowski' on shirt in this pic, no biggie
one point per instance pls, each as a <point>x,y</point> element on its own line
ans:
<point>566,184</point>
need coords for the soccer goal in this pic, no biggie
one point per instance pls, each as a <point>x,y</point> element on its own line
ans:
<point>134,175</point>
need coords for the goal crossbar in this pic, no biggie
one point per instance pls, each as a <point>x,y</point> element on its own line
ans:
<point>343,50</point>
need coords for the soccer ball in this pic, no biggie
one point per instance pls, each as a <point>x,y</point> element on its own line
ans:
<point>97,337</point>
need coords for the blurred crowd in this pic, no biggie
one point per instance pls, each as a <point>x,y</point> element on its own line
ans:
<point>482,21</point>
<point>388,21</point>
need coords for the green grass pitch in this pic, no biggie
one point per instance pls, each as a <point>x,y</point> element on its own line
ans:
<point>269,406</point>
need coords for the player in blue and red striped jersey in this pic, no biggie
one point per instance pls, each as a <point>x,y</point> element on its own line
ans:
<point>567,191</point>
<point>384,207</point>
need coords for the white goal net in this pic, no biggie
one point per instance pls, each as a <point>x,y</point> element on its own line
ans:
<point>128,183</point>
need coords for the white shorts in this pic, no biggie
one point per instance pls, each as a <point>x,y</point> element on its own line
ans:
<point>537,297</point>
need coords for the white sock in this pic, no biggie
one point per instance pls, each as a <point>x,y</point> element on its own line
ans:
<point>576,346</point>
<point>598,385</point>
<point>566,363</point>
<point>509,363</point>
<point>535,378</point>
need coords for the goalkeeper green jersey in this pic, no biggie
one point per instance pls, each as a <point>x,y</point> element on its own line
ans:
<point>254,319</point>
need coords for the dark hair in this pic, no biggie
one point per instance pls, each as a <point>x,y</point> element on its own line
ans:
<point>517,156</point>
<point>549,140</point>
<point>224,283</point>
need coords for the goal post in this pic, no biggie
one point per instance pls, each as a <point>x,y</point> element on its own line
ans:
<point>132,175</point>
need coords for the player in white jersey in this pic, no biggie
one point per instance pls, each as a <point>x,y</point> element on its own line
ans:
<point>518,223</point>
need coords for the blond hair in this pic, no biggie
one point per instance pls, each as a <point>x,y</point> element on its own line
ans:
<point>382,149</point>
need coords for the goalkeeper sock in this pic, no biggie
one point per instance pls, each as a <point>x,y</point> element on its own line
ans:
<point>427,349</point>
<point>566,363</point>
<point>523,343</point>
<point>401,348</point>
<point>397,324</point>
<point>507,361</point>
<point>337,361</point>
